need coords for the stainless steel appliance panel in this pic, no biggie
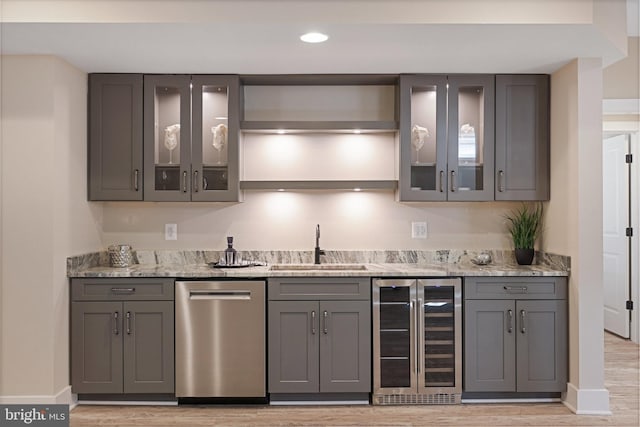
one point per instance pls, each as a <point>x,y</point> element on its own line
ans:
<point>220,339</point>
<point>417,341</point>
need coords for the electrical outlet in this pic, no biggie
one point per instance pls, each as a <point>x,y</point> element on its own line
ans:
<point>171,232</point>
<point>418,230</point>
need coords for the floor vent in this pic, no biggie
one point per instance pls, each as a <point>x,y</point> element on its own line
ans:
<point>417,399</point>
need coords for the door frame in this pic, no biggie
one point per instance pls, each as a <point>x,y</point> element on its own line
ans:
<point>611,128</point>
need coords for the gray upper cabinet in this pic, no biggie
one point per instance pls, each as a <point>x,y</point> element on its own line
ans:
<point>115,137</point>
<point>522,137</point>
<point>191,138</point>
<point>319,335</point>
<point>446,137</point>
<point>122,336</point>
<point>515,335</point>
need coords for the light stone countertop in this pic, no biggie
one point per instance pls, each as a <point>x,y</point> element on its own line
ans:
<point>372,270</point>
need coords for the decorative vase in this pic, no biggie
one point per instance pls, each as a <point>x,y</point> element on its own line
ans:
<point>524,256</point>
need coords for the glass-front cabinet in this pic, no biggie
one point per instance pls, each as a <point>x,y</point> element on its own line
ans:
<point>446,137</point>
<point>191,138</point>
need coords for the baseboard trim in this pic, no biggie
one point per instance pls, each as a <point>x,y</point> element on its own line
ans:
<point>587,401</point>
<point>63,397</point>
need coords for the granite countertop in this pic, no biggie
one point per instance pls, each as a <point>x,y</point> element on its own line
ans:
<point>194,264</point>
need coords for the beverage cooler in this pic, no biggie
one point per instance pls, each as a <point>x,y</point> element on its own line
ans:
<point>417,341</point>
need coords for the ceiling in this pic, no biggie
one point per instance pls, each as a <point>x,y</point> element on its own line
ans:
<point>255,46</point>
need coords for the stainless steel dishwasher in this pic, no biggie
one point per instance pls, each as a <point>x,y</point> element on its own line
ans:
<point>220,339</point>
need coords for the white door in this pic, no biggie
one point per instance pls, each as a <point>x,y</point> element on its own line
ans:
<point>615,241</point>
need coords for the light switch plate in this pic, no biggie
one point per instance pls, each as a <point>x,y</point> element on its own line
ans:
<point>418,230</point>
<point>171,232</point>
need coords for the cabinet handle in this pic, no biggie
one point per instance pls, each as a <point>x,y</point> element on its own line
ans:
<point>123,290</point>
<point>136,174</point>
<point>115,323</point>
<point>195,181</point>
<point>324,321</point>
<point>509,321</point>
<point>128,323</point>
<point>453,181</point>
<point>515,289</point>
<point>184,181</point>
<point>420,332</point>
<point>414,316</point>
<point>313,322</point>
<point>205,183</point>
<point>523,325</point>
<point>442,181</point>
<point>501,181</point>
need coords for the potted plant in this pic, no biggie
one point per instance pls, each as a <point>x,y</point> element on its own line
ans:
<point>525,225</point>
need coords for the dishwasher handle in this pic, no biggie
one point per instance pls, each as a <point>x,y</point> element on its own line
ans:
<point>210,294</point>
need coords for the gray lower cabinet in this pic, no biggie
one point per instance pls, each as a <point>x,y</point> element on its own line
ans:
<point>122,336</point>
<point>515,336</point>
<point>319,345</point>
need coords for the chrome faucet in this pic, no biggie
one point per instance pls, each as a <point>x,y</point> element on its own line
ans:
<point>317,251</point>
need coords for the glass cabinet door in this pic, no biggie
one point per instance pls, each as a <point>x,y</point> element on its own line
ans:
<point>167,138</point>
<point>423,101</point>
<point>440,335</point>
<point>215,138</point>
<point>470,141</point>
<point>394,347</point>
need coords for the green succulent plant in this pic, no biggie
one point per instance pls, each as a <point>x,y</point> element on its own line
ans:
<point>525,225</point>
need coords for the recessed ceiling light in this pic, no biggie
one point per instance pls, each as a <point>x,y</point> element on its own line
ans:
<point>314,37</point>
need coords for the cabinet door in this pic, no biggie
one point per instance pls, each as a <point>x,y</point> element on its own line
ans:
<point>293,347</point>
<point>489,345</point>
<point>167,138</point>
<point>115,137</point>
<point>470,137</point>
<point>542,345</point>
<point>148,347</point>
<point>423,138</point>
<point>215,160</point>
<point>522,137</point>
<point>345,346</point>
<point>96,347</point>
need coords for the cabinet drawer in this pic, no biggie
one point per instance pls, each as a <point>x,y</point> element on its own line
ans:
<point>515,288</point>
<point>316,288</point>
<point>107,289</point>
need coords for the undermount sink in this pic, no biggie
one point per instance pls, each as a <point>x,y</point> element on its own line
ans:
<point>313,267</point>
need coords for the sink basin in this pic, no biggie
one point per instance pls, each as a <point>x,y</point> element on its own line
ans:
<point>316,267</point>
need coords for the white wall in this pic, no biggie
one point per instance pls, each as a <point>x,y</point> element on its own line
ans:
<point>45,218</point>
<point>574,223</point>
<point>286,221</point>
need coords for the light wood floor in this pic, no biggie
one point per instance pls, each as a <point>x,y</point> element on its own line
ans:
<point>621,379</point>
